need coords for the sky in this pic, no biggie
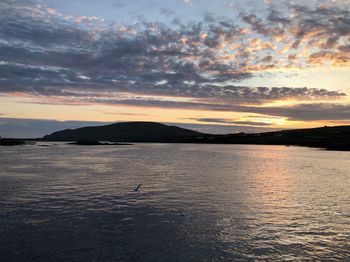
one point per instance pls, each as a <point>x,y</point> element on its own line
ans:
<point>218,66</point>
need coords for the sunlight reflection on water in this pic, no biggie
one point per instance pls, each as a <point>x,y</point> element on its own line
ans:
<point>197,202</point>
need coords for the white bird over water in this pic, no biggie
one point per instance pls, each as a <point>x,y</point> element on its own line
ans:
<point>137,188</point>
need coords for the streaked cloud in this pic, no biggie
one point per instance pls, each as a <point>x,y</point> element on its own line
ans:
<point>233,122</point>
<point>204,64</point>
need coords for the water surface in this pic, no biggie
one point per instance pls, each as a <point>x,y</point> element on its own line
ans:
<point>197,203</point>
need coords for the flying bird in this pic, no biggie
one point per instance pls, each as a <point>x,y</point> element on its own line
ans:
<point>137,188</point>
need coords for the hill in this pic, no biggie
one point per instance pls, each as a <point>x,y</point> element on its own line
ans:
<point>125,132</point>
<point>332,138</point>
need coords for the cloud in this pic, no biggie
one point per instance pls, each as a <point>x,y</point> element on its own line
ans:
<point>337,58</point>
<point>311,112</point>
<point>297,112</point>
<point>84,60</point>
<point>233,122</point>
<point>318,30</point>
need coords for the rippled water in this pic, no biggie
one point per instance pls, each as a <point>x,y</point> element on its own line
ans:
<point>197,203</point>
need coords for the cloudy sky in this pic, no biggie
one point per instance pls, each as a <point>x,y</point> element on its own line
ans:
<point>213,65</point>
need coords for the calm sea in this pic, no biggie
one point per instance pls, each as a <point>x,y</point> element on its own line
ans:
<point>196,203</point>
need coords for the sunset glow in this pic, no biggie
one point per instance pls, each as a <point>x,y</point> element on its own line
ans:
<point>222,66</point>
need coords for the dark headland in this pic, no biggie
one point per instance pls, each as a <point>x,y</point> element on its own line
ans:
<point>126,132</point>
<point>11,142</point>
<point>332,138</point>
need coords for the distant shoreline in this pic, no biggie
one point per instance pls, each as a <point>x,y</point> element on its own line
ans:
<point>329,138</point>
<point>22,142</point>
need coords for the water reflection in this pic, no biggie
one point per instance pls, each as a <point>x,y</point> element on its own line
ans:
<point>197,202</point>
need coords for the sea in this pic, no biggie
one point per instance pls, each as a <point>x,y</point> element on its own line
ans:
<point>197,202</point>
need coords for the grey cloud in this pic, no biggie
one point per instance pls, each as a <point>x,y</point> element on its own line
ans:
<point>322,28</point>
<point>324,23</point>
<point>259,25</point>
<point>312,112</point>
<point>335,57</point>
<point>48,56</point>
<point>302,112</point>
<point>233,122</point>
<point>299,112</point>
<point>229,93</point>
<point>224,129</point>
<point>276,17</point>
<point>344,48</point>
<point>267,59</point>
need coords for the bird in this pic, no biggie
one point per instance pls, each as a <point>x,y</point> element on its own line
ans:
<point>137,188</point>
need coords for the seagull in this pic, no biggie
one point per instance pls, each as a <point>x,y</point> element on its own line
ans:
<point>137,188</point>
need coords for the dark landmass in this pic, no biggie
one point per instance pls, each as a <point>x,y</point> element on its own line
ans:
<point>331,138</point>
<point>11,142</point>
<point>96,143</point>
<point>126,132</point>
